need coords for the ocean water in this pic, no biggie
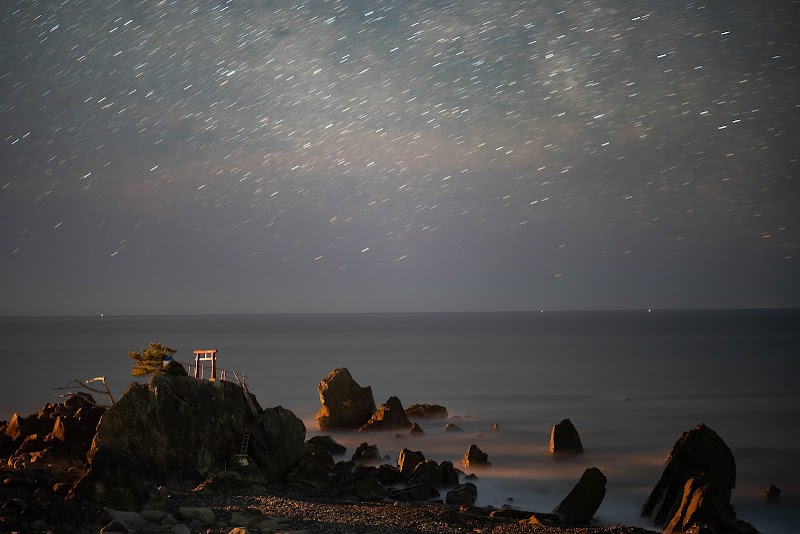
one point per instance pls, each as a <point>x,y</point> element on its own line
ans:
<point>631,382</point>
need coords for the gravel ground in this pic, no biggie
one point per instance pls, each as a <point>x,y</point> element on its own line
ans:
<point>306,509</point>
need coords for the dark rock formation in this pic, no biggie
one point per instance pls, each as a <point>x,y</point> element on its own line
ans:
<point>276,441</point>
<point>695,488</point>
<point>367,454</point>
<point>585,498</point>
<point>426,411</point>
<point>704,509</point>
<point>408,460</point>
<point>474,457</point>
<point>327,443</point>
<point>179,426</point>
<point>564,438</point>
<point>450,427</point>
<point>416,430</point>
<point>345,404</point>
<point>368,489</point>
<point>414,492</point>
<point>437,475</point>
<point>462,494</point>
<point>390,416</point>
<point>389,474</point>
<point>771,495</point>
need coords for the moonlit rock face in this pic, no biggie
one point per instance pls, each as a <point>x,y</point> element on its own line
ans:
<point>345,404</point>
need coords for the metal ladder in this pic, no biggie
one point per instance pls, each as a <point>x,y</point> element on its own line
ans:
<point>252,405</point>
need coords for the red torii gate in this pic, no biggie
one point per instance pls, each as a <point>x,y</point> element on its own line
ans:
<point>204,356</point>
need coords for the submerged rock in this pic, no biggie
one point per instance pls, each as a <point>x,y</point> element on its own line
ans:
<point>771,495</point>
<point>345,404</point>
<point>585,498</point>
<point>450,427</point>
<point>327,443</point>
<point>390,416</point>
<point>695,487</point>
<point>564,438</point>
<point>416,430</point>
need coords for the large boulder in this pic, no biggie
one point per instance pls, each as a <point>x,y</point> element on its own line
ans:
<point>704,509</point>
<point>474,457</point>
<point>367,454</point>
<point>176,425</point>
<point>276,441</point>
<point>345,404</point>
<point>426,411</point>
<point>702,457</point>
<point>564,438</point>
<point>585,498</point>
<point>327,443</point>
<point>390,416</point>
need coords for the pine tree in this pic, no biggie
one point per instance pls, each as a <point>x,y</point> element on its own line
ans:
<point>150,361</point>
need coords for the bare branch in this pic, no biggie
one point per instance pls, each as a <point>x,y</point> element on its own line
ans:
<point>77,384</point>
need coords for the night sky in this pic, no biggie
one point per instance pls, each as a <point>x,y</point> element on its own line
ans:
<point>361,156</point>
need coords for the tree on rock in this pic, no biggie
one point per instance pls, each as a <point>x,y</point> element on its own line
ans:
<point>151,360</point>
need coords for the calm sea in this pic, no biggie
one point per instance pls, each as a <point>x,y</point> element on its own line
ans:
<point>631,382</point>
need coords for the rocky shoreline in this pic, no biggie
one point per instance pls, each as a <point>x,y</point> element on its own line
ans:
<point>185,456</point>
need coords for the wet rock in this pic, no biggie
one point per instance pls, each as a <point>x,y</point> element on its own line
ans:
<point>437,475</point>
<point>564,438</point>
<point>426,411</point>
<point>771,495</point>
<point>345,404</point>
<point>474,457</point>
<point>390,416</point>
<point>585,498</point>
<point>695,487</point>
<point>450,427</point>
<point>408,460</point>
<point>464,494</point>
<point>367,454</point>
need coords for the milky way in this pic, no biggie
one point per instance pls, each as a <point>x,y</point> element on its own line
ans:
<point>270,156</point>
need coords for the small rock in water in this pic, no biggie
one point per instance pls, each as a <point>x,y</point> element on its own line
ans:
<point>771,495</point>
<point>450,427</point>
<point>416,429</point>
<point>367,454</point>
<point>564,438</point>
<point>474,457</point>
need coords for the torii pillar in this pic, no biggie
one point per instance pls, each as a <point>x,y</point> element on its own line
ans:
<point>203,356</point>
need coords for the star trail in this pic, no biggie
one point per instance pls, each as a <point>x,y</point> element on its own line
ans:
<point>337,156</point>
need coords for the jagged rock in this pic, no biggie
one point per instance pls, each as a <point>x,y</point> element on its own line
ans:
<point>564,438</point>
<point>704,509</point>
<point>276,441</point>
<point>474,457</point>
<point>367,454</point>
<point>314,466</point>
<point>771,495</point>
<point>345,404</point>
<point>462,494</point>
<point>416,430</point>
<point>368,489</point>
<point>585,498</point>
<point>408,460</point>
<point>176,424</point>
<point>327,443</point>
<point>413,493</point>
<point>426,411</point>
<point>390,416</point>
<point>450,427</point>
<point>20,427</point>
<point>695,487</point>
